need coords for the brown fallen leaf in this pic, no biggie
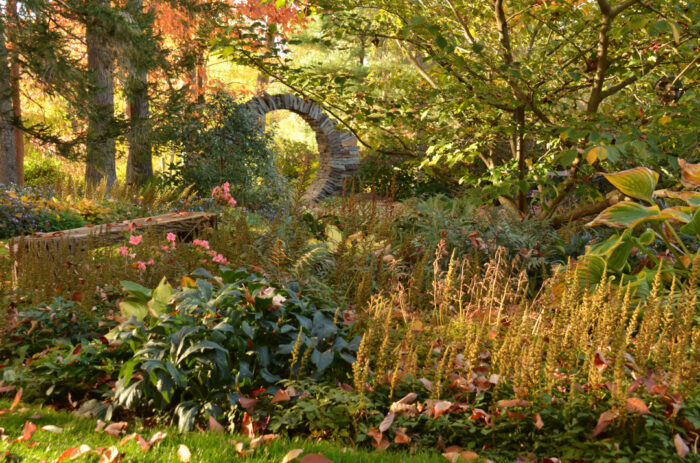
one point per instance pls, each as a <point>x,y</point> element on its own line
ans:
<point>401,437</point>
<point>539,424</point>
<point>292,455</point>
<point>428,384</point>
<point>242,452</point>
<point>100,425</point>
<point>18,397</point>
<point>637,405</point>
<point>247,426</point>
<point>280,396</point>
<point>247,402</point>
<point>4,389</point>
<point>681,447</point>
<point>439,407</point>
<point>454,455</point>
<point>110,455</point>
<point>387,422</point>
<point>155,438</point>
<point>215,426</point>
<point>74,452</point>
<point>314,458</point>
<point>28,432</point>
<point>128,438</point>
<point>183,453</point>
<point>513,403</point>
<point>265,439</point>
<point>116,429</point>
<point>604,420</point>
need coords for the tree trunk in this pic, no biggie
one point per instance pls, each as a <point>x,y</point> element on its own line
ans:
<point>521,153</point>
<point>8,161</point>
<point>139,167</point>
<point>100,163</point>
<point>16,102</point>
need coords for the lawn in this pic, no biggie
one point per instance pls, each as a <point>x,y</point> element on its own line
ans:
<point>204,446</point>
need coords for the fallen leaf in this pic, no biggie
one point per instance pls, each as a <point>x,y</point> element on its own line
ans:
<point>428,384</point>
<point>110,455</point>
<point>375,434</point>
<point>183,453</point>
<point>4,389</point>
<point>401,437</point>
<point>74,452</point>
<point>18,397</point>
<point>292,455</point>
<point>457,455</point>
<point>52,428</point>
<point>314,458</point>
<point>116,429</point>
<point>604,420</point>
<point>247,402</point>
<point>599,361</point>
<point>539,424</point>
<point>100,425</point>
<point>215,426</point>
<point>247,426</point>
<point>408,398</point>
<point>242,452</point>
<point>681,447</point>
<point>387,422</point>
<point>440,407</point>
<point>157,437</point>
<point>130,437</point>
<point>266,439</point>
<point>637,405</point>
<point>513,403</point>
<point>280,396</point>
<point>28,431</point>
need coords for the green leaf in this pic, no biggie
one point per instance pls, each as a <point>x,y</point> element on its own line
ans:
<point>626,214</point>
<point>280,3</point>
<point>136,290</point>
<point>692,227</point>
<point>638,183</point>
<point>132,307</point>
<point>614,251</point>
<point>161,296</point>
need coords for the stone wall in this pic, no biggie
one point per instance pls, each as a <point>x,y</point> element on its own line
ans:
<point>338,151</point>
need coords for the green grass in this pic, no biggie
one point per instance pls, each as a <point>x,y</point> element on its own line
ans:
<point>205,447</point>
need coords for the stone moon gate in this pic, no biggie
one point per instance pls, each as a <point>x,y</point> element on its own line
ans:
<point>338,151</point>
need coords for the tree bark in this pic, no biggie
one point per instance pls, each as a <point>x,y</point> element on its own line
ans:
<point>8,161</point>
<point>139,167</point>
<point>16,102</point>
<point>100,163</point>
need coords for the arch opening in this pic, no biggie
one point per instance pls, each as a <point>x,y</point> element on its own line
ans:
<point>338,153</point>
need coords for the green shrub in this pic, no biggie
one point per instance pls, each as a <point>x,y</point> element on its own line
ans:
<point>221,142</point>
<point>43,171</point>
<point>400,179</point>
<point>220,336</point>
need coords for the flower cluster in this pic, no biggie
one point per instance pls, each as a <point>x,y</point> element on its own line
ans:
<point>130,251</point>
<point>222,194</point>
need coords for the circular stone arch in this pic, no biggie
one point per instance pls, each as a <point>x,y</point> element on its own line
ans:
<point>339,156</point>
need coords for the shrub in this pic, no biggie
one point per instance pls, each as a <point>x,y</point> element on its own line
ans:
<point>27,210</point>
<point>221,142</point>
<point>43,171</point>
<point>195,350</point>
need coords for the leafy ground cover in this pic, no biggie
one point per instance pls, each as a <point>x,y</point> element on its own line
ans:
<point>58,431</point>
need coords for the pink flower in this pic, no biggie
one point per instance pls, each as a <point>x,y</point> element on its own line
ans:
<point>123,250</point>
<point>201,243</point>
<point>150,262</point>
<point>164,248</point>
<point>171,237</point>
<point>132,255</point>
<point>135,239</point>
<point>131,227</point>
<point>141,265</point>
<point>232,202</point>
<point>219,259</point>
<point>226,187</point>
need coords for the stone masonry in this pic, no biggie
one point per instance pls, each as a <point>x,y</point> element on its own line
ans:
<point>338,151</point>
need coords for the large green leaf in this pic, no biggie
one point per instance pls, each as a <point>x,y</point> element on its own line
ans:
<point>627,214</point>
<point>133,307</point>
<point>161,296</point>
<point>136,290</point>
<point>615,251</point>
<point>692,198</point>
<point>692,227</point>
<point>638,183</point>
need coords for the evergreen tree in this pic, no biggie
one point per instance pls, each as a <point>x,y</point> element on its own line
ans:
<point>8,161</point>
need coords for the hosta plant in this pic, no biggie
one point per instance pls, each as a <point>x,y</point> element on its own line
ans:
<point>198,350</point>
<point>659,231</point>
